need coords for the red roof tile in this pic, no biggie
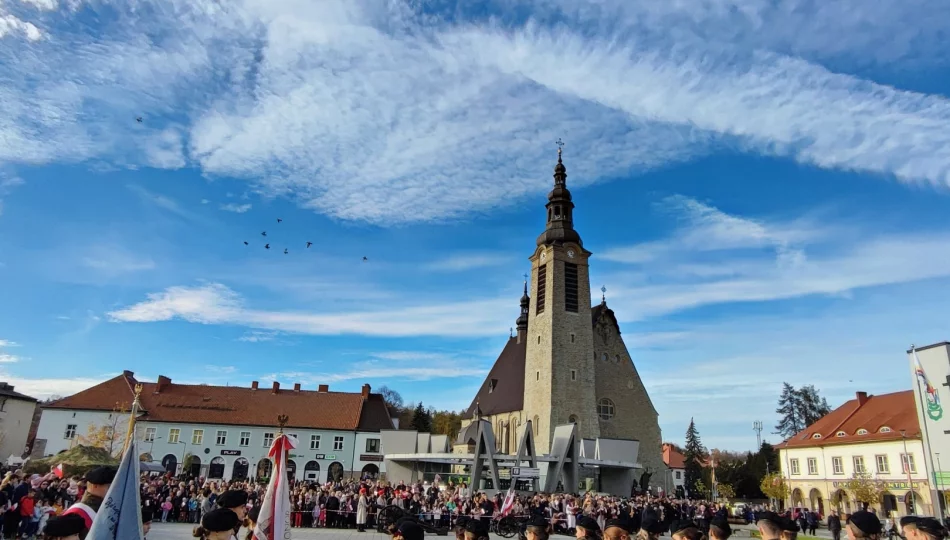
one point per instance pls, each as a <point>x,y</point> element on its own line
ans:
<point>231,405</point>
<point>894,412</point>
<point>673,458</point>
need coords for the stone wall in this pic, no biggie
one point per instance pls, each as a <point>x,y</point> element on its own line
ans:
<point>634,415</point>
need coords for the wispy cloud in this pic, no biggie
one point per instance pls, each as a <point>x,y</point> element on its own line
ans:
<point>113,260</point>
<point>8,343</point>
<point>161,201</point>
<point>393,365</point>
<point>236,208</point>
<point>348,136</point>
<point>8,358</point>
<point>217,304</point>
<point>7,183</point>
<point>468,261</point>
<point>45,387</point>
<point>257,336</point>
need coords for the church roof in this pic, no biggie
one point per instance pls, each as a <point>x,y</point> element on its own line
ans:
<point>503,388</point>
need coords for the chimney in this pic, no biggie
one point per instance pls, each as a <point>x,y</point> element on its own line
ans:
<point>276,387</point>
<point>323,388</point>
<point>163,383</point>
<point>127,374</point>
<point>253,385</point>
<point>366,389</point>
<point>862,398</point>
<point>296,387</point>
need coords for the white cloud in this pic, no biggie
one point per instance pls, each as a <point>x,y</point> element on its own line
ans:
<point>42,388</point>
<point>112,260</point>
<point>467,261</point>
<point>8,343</point>
<point>8,358</point>
<point>13,26</point>
<point>217,304</point>
<point>257,336</point>
<point>314,102</point>
<point>205,201</point>
<point>236,208</point>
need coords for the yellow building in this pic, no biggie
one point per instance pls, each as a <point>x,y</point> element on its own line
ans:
<point>878,436</point>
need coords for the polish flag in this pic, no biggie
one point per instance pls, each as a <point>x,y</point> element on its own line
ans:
<point>58,471</point>
<point>273,523</point>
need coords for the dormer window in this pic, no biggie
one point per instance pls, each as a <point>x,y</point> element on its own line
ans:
<point>862,431</point>
<point>816,436</point>
<point>885,429</point>
<point>491,385</point>
<point>840,434</point>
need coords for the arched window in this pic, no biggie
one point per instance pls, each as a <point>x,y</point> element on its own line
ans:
<point>840,434</point>
<point>862,431</point>
<point>816,436</point>
<point>885,429</point>
<point>605,409</point>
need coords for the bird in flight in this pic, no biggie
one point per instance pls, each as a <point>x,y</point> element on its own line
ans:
<point>309,244</point>
<point>264,233</point>
<point>245,242</point>
<point>279,220</point>
<point>365,259</point>
<point>285,251</point>
<point>138,119</point>
<point>266,246</point>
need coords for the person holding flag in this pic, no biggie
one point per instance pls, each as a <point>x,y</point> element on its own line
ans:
<point>274,520</point>
<point>98,482</point>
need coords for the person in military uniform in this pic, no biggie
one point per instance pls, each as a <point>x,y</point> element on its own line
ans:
<point>686,530</point>
<point>864,524</point>
<point>65,527</point>
<point>235,500</point>
<point>719,529</point>
<point>789,529</point>
<point>98,481</point>
<point>769,524</point>
<point>587,528</point>
<point>217,524</point>
<point>922,528</point>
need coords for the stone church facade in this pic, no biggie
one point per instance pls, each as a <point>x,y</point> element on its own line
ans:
<point>568,362</point>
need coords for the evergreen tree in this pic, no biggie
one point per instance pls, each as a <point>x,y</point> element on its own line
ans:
<point>813,405</point>
<point>790,407</point>
<point>695,456</point>
<point>421,419</point>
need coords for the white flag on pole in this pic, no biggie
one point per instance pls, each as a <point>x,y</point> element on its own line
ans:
<point>273,523</point>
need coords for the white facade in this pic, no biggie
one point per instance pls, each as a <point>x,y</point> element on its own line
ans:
<point>223,451</point>
<point>815,474</point>
<point>678,478</point>
<point>16,416</point>
<point>934,421</point>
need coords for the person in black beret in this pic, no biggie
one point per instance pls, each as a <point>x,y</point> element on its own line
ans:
<point>459,527</point>
<point>65,527</point>
<point>235,500</point>
<point>617,528</point>
<point>719,529</point>
<point>251,521</point>
<point>408,530</point>
<point>537,528</point>
<point>789,529</point>
<point>475,529</point>
<point>922,528</point>
<point>864,524</point>
<point>98,481</point>
<point>685,530</point>
<point>587,527</point>
<point>769,524</point>
<point>217,524</point>
<point>651,526</point>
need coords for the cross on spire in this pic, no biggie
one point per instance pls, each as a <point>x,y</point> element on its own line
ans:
<point>560,147</point>
<point>603,294</point>
<point>525,276</point>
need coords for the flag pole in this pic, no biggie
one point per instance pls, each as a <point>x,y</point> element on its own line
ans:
<point>929,456</point>
<point>136,405</point>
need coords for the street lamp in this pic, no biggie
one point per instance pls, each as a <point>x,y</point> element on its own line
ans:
<point>906,463</point>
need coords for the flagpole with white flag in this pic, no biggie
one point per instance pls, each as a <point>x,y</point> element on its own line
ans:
<point>120,515</point>
<point>273,523</point>
<point>932,409</point>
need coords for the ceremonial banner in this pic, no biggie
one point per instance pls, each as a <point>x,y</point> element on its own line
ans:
<point>120,516</point>
<point>273,523</point>
<point>509,499</point>
<point>934,410</point>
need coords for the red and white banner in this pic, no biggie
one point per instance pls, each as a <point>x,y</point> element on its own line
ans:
<point>274,520</point>
<point>509,500</point>
<point>58,471</point>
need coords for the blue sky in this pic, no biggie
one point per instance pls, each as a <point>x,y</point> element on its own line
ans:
<point>762,183</point>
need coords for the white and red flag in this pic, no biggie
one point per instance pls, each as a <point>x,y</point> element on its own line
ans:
<point>509,500</point>
<point>274,520</point>
<point>58,471</point>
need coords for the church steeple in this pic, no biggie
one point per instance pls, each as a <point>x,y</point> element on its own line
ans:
<point>522,323</point>
<point>560,209</point>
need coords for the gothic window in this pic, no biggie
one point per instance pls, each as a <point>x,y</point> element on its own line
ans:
<point>605,409</point>
<point>542,284</point>
<point>557,212</point>
<point>617,359</point>
<point>570,287</point>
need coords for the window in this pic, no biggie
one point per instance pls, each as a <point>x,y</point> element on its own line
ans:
<point>679,475</point>
<point>173,435</point>
<point>570,287</point>
<point>837,465</point>
<point>542,284</point>
<point>149,434</point>
<point>605,409</point>
<point>840,434</point>
<point>70,431</point>
<point>197,436</point>
<point>816,436</point>
<point>885,429</point>
<point>573,374</point>
<point>268,440</point>
<point>858,464</point>
<point>882,466</point>
<point>338,443</point>
<point>537,376</point>
<point>907,464</point>
<point>793,465</point>
<point>862,431</point>
<point>812,465</point>
<point>604,357</point>
<point>222,438</point>
<point>572,338</point>
<point>245,438</point>
<point>616,358</point>
<point>372,446</point>
<point>314,442</point>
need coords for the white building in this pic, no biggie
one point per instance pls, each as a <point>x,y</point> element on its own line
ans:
<point>933,410</point>
<point>226,431</point>
<point>16,416</point>
<point>676,462</point>
<point>876,435</point>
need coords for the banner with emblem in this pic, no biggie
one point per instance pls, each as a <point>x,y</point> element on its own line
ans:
<point>273,523</point>
<point>933,409</point>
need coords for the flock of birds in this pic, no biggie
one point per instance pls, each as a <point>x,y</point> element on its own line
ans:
<point>287,250</point>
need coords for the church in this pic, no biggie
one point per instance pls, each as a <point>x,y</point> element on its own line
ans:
<point>567,363</point>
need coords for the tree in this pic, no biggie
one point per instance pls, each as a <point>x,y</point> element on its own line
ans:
<point>421,419</point>
<point>699,490</point>
<point>790,409</point>
<point>446,423</point>
<point>392,398</point>
<point>813,405</point>
<point>865,488</point>
<point>695,456</point>
<point>725,491</point>
<point>774,486</point>
<point>110,434</point>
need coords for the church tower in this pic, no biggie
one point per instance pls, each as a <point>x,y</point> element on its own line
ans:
<point>559,385</point>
